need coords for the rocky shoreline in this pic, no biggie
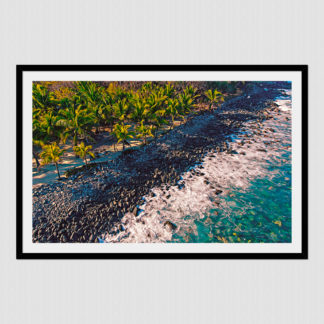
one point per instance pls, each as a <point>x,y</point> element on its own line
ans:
<point>86,206</point>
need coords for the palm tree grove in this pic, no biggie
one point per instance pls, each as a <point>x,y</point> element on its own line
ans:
<point>152,161</point>
<point>80,111</point>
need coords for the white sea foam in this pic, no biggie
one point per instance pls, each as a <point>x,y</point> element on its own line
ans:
<point>175,209</point>
<point>284,101</point>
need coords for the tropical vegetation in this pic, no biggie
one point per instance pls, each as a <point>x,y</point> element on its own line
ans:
<point>83,151</point>
<point>52,154</point>
<point>75,114</point>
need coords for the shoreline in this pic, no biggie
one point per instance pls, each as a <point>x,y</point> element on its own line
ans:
<point>84,207</point>
<point>213,199</point>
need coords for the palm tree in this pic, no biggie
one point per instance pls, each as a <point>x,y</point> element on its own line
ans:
<point>140,109</point>
<point>44,130</point>
<point>122,134</point>
<point>48,126</point>
<point>41,97</point>
<point>214,97</point>
<point>107,115</point>
<point>155,101</point>
<point>168,90</point>
<point>36,122</point>
<point>120,93</point>
<point>52,154</point>
<point>111,91</point>
<point>92,96</point>
<point>121,109</point>
<point>173,109</point>
<point>186,103</point>
<point>62,97</point>
<point>90,91</point>
<point>158,120</point>
<point>76,121</point>
<point>83,151</point>
<point>190,90</point>
<point>106,110</point>
<point>147,87</point>
<point>144,131</point>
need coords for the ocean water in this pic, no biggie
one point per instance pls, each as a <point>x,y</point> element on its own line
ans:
<point>260,213</point>
<point>243,197</point>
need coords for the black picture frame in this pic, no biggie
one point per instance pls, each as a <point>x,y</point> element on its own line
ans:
<point>260,68</point>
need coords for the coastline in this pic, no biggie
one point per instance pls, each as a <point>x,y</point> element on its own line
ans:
<point>234,196</point>
<point>87,206</point>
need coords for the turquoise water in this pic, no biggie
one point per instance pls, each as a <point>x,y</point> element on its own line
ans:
<point>241,197</point>
<point>258,214</point>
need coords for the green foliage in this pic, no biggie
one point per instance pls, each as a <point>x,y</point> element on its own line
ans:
<point>186,103</point>
<point>51,153</point>
<point>139,109</point>
<point>168,90</point>
<point>78,113</point>
<point>191,91</point>
<point>145,131</point>
<point>89,91</point>
<point>41,97</point>
<point>76,121</point>
<point>215,97</point>
<point>61,97</point>
<point>123,134</point>
<point>83,151</point>
<point>157,119</point>
<point>173,109</point>
<point>120,109</point>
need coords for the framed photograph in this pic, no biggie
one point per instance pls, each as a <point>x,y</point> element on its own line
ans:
<point>162,162</point>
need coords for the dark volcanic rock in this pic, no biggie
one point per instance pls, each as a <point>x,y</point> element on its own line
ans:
<point>92,202</point>
<point>170,226</point>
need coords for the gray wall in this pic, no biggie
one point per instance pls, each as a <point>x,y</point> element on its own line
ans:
<point>154,32</point>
